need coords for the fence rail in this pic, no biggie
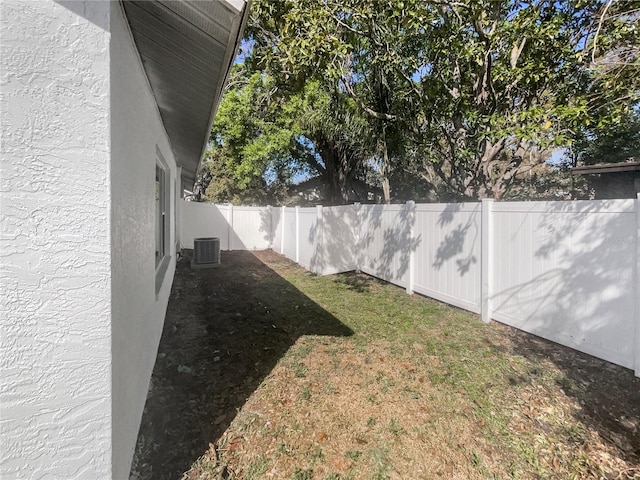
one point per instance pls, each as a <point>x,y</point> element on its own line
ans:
<point>566,271</point>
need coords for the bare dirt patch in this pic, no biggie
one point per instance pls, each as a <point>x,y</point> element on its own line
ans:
<point>265,371</point>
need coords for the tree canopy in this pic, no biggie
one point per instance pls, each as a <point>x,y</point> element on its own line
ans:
<point>462,99</point>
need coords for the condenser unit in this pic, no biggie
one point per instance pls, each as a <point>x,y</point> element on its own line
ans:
<point>206,252</point>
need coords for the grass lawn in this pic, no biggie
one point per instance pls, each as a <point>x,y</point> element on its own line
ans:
<point>417,389</point>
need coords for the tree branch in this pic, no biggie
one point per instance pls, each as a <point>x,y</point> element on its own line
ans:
<point>600,22</point>
<point>367,110</point>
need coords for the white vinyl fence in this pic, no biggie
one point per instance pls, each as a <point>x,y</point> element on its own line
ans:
<point>238,228</point>
<point>566,271</point>
<point>289,235</point>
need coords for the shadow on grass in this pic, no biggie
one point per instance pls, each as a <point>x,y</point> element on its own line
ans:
<point>225,330</point>
<point>609,395</point>
<point>356,282</point>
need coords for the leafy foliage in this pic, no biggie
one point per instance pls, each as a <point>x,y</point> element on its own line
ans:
<point>479,89</point>
<point>445,99</point>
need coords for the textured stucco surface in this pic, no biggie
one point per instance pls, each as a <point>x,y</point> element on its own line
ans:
<point>81,318</point>
<point>55,291</point>
<point>138,314</point>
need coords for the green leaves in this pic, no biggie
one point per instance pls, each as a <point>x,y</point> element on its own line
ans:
<point>455,91</point>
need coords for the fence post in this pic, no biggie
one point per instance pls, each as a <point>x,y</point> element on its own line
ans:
<point>486,260</point>
<point>411,220</point>
<point>282,233</point>
<point>636,345</point>
<point>319,266</point>
<point>298,235</point>
<point>357,233</point>
<point>230,228</point>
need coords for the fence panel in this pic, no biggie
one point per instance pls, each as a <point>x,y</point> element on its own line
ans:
<point>385,242</point>
<point>289,233</point>
<point>565,271</point>
<point>276,229</point>
<point>339,234</point>
<point>308,234</point>
<point>251,228</point>
<point>199,220</point>
<point>447,243</point>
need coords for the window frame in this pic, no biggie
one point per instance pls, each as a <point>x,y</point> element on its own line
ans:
<point>162,219</point>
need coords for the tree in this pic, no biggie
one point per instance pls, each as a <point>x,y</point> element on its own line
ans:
<point>340,138</point>
<point>614,135</point>
<point>478,89</point>
<point>612,143</point>
<point>216,183</point>
<point>266,133</point>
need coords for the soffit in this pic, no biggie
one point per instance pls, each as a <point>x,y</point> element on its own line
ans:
<point>629,166</point>
<point>187,49</point>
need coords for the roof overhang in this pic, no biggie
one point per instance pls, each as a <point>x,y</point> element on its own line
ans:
<point>607,168</point>
<point>187,49</point>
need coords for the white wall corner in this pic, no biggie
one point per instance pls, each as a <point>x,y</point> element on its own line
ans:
<point>55,277</point>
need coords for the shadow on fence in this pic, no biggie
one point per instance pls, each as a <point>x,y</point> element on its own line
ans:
<point>578,275</point>
<point>561,270</point>
<point>267,227</point>
<point>453,244</point>
<point>336,250</point>
<point>392,261</point>
<point>225,330</point>
<point>583,293</point>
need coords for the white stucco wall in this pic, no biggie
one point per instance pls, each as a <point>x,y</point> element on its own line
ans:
<point>138,314</point>
<point>55,282</point>
<point>81,317</point>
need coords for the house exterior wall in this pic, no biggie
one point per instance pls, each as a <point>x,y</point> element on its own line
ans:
<point>137,135</point>
<point>615,185</point>
<point>81,310</point>
<point>55,279</point>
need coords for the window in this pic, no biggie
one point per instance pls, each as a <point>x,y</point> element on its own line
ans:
<point>162,219</point>
<point>161,214</point>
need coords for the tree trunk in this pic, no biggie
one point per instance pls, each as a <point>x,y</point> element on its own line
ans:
<point>384,170</point>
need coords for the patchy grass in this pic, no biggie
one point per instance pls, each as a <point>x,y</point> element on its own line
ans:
<point>424,390</point>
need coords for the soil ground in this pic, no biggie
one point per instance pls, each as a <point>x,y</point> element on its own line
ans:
<point>266,371</point>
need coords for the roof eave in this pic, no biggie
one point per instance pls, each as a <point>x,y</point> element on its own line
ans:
<point>229,59</point>
<point>606,168</point>
<point>187,48</point>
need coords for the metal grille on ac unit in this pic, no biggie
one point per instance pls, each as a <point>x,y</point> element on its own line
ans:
<point>206,252</point>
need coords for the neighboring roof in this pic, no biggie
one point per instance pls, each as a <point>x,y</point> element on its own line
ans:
<point>187,48</point>
<point>628,166</point>
<point>313,182</point>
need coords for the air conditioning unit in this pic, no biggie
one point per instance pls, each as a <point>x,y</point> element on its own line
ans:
<point>206,252</point>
